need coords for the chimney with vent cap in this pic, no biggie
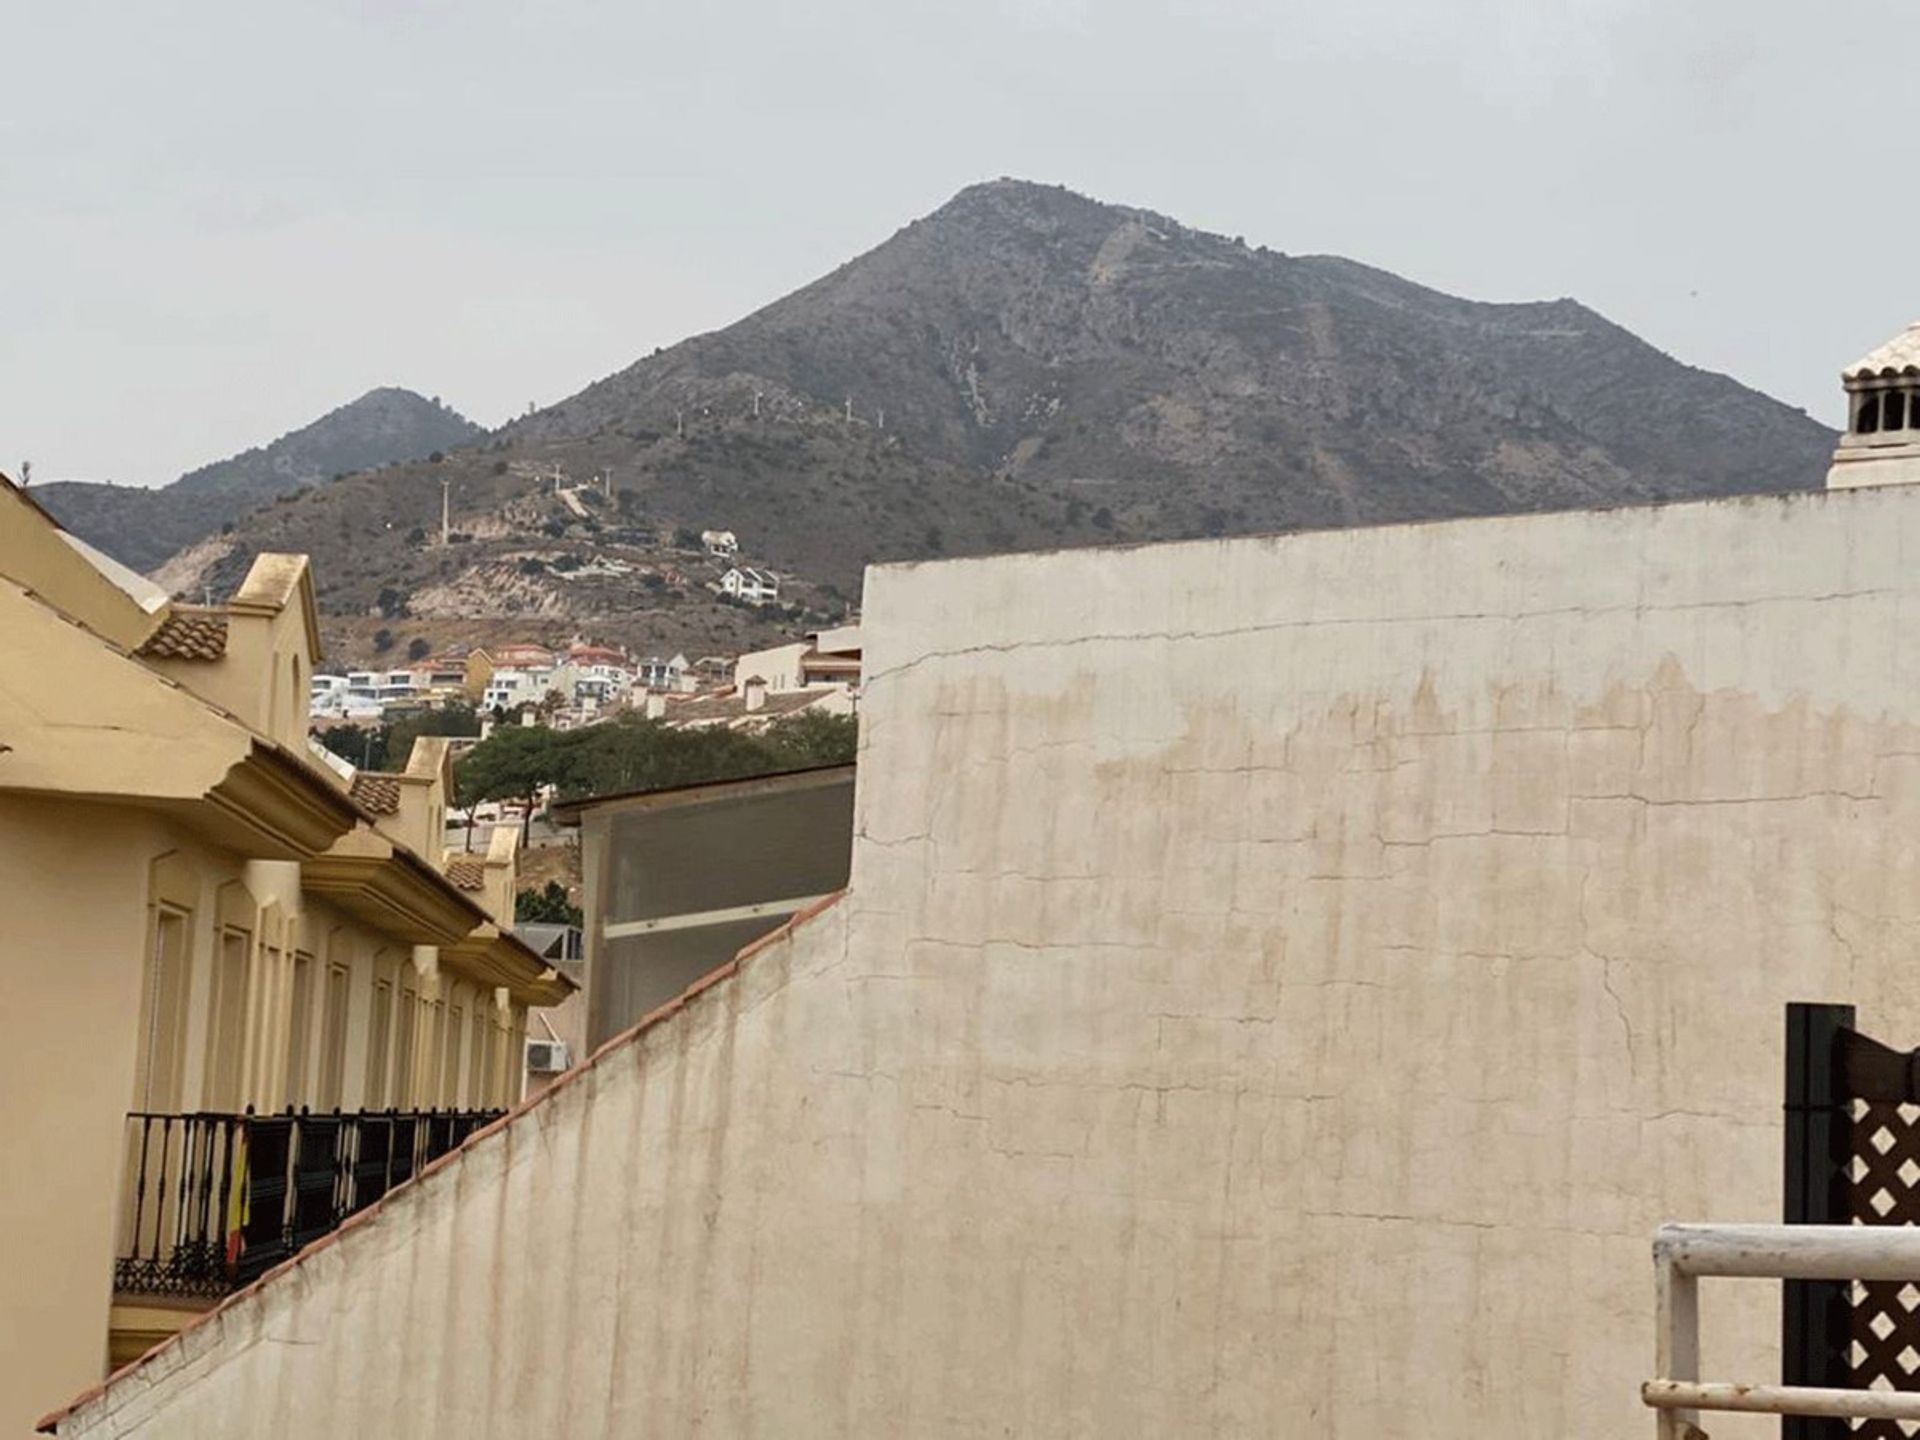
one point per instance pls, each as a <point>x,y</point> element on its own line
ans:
<point>1881,445</point>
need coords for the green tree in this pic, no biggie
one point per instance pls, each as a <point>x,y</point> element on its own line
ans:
<point>548,905</point>
<point>812,738</point>
<point>458,719</point>
<point>514,763</point>
<point>385,746</point>
<point>361,745</point>
<point>633,753</point>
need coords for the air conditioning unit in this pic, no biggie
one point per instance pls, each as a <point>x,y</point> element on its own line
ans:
<point>547,1057</point>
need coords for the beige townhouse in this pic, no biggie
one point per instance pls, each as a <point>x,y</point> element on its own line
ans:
<point>249,991</point>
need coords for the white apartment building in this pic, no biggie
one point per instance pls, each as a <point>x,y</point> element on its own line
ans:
<point>826,659</point>
<point>514,685</point>
<point>601,683</point>
<point>327,695</point>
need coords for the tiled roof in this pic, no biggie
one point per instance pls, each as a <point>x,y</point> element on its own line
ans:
<point>1897,356</point>
<point>469,872</point>
<point>379,794</point>
<point>187,635</point>
<point>734,707</point>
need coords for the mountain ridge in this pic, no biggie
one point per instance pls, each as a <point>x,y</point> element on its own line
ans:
<point>143,527</point>
<point>1024,368</point>
<point>1083,285</point>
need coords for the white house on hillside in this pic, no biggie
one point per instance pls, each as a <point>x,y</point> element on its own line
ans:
<point>756,587</point>
<point>656,674</point>
<point>722,544</point>
<point>826,659</point>
<point>512,685</point>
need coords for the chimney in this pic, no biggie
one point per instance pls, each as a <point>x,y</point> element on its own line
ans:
<point>755,691</point>
<point>1881,445</point>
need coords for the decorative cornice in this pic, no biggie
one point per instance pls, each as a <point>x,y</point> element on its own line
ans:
<point>393,890</point>
<point>491,956</point>
<point>283,801</point>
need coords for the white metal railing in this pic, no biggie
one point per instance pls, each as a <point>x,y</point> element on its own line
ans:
<point>1682,1254</point>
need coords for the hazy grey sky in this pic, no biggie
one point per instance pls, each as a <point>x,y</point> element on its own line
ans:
<point>226,217</point>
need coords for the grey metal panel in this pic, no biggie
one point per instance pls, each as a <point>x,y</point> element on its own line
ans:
<point>643,972</point>
<point>693,856</point>
<point>729,852</point>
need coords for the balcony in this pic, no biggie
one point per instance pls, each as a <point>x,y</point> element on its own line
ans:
<point>212,1202</point>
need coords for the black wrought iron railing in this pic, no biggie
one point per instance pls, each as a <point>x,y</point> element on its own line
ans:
<point>214,1201</point>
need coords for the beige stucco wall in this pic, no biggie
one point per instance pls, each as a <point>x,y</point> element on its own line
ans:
<point>1284,983</point>
<point>39,559</point>
<point>74,928</point>
<point>269,656</point>
<point>57,1207</point>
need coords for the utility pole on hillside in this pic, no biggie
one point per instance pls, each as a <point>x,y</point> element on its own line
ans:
<point>756,404</point>
<point>849,409</point>
<point>446,512</point>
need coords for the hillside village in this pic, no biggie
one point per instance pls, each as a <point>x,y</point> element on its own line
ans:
<point>578,681</point>
<point>472,551</point>
<point>584,683</point>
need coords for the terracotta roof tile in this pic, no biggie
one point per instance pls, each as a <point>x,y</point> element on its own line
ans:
<point>469,872</point>
<point>1899,355</point>
<point>734,707</point>
<point>187,635</point>
<point>375,793</point>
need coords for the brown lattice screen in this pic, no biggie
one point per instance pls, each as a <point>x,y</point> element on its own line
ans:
<point>1882,1188</point>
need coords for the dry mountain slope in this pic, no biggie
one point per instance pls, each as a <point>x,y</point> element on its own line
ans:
<point>1190,384</point>
<point>526,560</point>
<point>1028,367</point>
<point>143,527</point>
